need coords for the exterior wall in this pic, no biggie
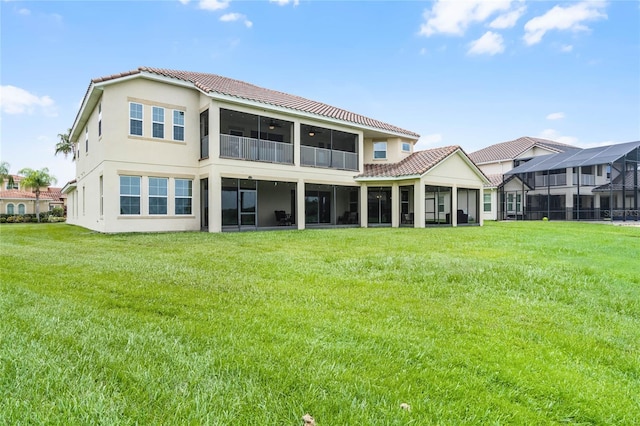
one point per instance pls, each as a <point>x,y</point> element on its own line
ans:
<point>117,153</point>
<point>395,153</point>
<point>493,213</point>
<point>499,167</point>
<point>29,205</point>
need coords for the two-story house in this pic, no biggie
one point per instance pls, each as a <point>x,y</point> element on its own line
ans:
<point>167,150</point>
<point>505,196</point>
<point>584,184</point>
<point>15,199</point>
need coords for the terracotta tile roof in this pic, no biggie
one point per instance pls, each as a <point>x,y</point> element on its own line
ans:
<point>212,83</point>
<point>512,149</point>
<point>495,180</point>
<point>417,163</point>
<point>52,194</point>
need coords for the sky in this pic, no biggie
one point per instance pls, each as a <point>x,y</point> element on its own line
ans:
<point>470,73</point>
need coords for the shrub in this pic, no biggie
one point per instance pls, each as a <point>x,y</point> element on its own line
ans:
<point>3,220</point>
<point>57,212</point>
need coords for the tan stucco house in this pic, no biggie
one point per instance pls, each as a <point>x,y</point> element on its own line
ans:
<point>505,196</point>
<point>535,178</point>
<point>167,150</point>
<point>15,199</point>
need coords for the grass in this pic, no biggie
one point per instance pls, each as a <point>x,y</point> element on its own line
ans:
<point>511,323</point>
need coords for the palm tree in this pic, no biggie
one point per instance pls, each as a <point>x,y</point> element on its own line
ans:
<point>36,179</point>
<point>64,145</point>
<point>4,173</point>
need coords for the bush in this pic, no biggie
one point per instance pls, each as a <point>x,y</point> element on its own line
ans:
<point>57,212</point>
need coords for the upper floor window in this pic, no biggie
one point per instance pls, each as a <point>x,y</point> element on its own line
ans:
<point>100,119</point>
<point>379,150</point>
<point>13,185</point>
<point>158,122</point>
<point>130,194</point>
<point>184,193</point>
<point>86,139</point>
<point>406,147</point>
<point>135,119</point>
<point>178,125</point>
<point>157,195</point>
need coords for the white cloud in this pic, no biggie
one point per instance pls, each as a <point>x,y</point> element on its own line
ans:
<point>555,116</point>
<point>231,17</point>
<point>489,44</point>
<point>213,4</point>
<point>285,2</point>
<point>14,100</point>
<point>453,16</point>
<point>566,48</point>
<point>563,18</point>
<point>508,20</point>
<point>24,12</point>
<point>555,136</point>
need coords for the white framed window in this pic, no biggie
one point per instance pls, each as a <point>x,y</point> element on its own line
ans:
<point>130,194</point>
<point>158,195</point>
<point>100,119</point>
<point>21,209</point>
<point>135,119</point>
<point>178,125</point>
<point>487,202</point>
<point>379,150</point>
<point>10,208</point>
<point>157,120</point>
<point>184,194</point>
<point>406,147</point>
<point>86,140</point>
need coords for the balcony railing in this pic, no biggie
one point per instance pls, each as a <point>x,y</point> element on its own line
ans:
<point>551,180</point>
<point>586,180</point>
<point>255,149</point>
<point>329,158</point>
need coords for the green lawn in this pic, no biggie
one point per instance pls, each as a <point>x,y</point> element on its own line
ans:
<point>510,323</point>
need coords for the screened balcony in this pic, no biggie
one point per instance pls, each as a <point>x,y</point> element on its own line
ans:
<point>328,148</point>
<point>255,138</point>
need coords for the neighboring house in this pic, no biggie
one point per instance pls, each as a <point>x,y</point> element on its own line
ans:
<point>166,150</point>
<point>504,198</point>
<point>585,184</point>
<point>16,200</point>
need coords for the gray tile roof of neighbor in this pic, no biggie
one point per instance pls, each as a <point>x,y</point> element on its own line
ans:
<point>513,149</point>
<point>212,83</point>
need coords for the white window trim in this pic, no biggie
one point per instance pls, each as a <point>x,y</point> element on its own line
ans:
<point>166,197</point>
<point>407,144</point>
<point>141,119</point>
<point>153,121</point>
<point>120,194</point>
<point>173,131</point>
<point>100,119</point>
<point>86,140</point>
<point>385,150</point>
<point>176,196</point>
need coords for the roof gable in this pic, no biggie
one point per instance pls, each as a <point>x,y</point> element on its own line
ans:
<point>511,150</point>
<point>417,164</point>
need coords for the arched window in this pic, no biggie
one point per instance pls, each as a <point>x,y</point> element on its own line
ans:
<point>9,208</point>
<point>21,209</point>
